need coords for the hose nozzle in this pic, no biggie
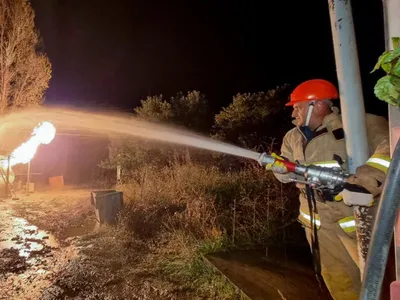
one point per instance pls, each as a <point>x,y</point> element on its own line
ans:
<point>265,159</point>
<point>285,166</point>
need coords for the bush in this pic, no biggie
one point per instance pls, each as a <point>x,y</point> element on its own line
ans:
<point>250,206</point>
<point>251,119</point>
<point>184,202</point>
<point>184,211</point>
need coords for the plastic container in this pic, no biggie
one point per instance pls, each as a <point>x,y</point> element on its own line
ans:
<point>107,205</point>
<point>56,182</point>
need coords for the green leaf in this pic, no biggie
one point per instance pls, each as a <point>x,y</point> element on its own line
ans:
<point>393,92</point>
<point>396,68</point>
<point>392,55</point>
<point>396,42</point>
<point>385,90</point>
<point>395,81</point>
<point>382,88</point>
<point>380,60</point>
<point>387,67</point>
<point>392,101</point>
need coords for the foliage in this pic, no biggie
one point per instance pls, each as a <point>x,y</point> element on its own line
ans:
<point>183,262</point>
<point>189,210</point>
<point>388,87</point>
<point>154,108</point>
<point>251,119</point>
<point>189,111</point>
<point>182,207</point>
<point>249,206</point>
<point>134,154</point>
<point>24,71</point>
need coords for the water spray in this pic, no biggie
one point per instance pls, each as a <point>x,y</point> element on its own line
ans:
<point>115,125</point>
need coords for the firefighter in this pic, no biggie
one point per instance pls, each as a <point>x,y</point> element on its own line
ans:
<point>318,138</point>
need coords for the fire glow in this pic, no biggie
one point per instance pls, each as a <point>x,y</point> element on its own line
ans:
<point>43,133</point>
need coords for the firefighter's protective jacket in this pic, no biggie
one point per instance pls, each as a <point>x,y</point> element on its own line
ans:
<point>328,141</point>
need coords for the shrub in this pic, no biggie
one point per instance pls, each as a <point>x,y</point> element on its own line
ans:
<point>250,206</point>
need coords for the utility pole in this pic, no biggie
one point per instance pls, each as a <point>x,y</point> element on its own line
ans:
<point>352,104</point>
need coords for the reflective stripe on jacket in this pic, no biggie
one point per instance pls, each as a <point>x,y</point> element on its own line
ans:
<point>381,162</point>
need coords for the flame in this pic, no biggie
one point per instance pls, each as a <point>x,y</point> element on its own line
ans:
<point>43,133</point>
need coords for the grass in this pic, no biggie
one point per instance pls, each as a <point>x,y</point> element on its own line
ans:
<point>121,264</point>
<point>251,206</point>
<point>186,211</point>
<point>182,262</point>
<point>172,217</point>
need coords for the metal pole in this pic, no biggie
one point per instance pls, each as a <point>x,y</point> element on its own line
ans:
<point>27,178</point>
<point>118,174</point>
<point>391,11</point>
<point>8,177</point>
<point>352,103</point>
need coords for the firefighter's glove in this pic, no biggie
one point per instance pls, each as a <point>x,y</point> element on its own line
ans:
<point>351,198</point>
<point>370,178</point>
<point>277,166</point>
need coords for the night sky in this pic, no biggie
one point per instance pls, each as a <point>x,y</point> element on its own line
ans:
<point>114,53</point>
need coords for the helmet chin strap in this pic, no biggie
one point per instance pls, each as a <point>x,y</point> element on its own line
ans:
<point>309,112</point>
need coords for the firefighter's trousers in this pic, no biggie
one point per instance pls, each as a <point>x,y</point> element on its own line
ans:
<point>338,254</point>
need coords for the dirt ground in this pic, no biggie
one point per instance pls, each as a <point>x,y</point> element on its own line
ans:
<point>34,246</point>
<point>52,248</point>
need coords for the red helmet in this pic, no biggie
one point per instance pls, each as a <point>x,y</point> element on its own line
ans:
<point>314,89</point>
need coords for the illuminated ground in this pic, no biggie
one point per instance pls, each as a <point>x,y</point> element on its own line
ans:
<point>45,254</point>
<point>31,255</point>
<point>49,249</point>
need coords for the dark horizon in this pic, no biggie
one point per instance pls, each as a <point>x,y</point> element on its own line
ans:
<point>114,55</point>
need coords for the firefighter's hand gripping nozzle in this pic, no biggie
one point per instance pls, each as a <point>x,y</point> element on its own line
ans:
<point>273,163</point>
<point>316,176</point>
